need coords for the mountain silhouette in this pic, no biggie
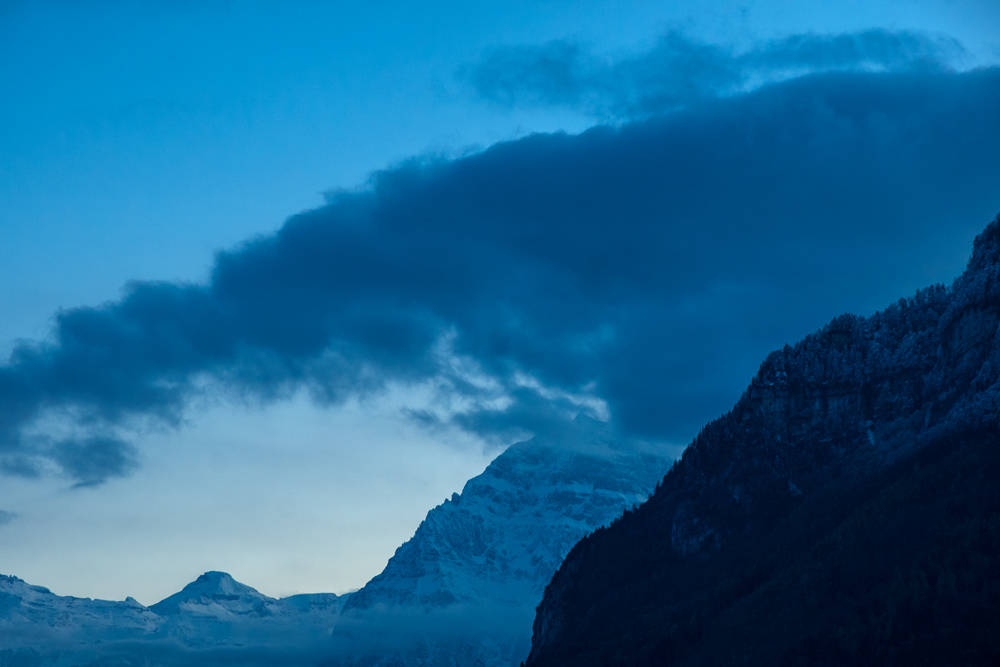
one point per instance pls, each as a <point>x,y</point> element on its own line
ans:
<point>845,511</point>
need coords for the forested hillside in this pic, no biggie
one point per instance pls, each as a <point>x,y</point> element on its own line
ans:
<point>846,511</point>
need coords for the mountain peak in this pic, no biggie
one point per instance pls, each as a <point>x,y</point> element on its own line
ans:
<point>213,587</point>
<point>501,539</point>
<point>213,581</point>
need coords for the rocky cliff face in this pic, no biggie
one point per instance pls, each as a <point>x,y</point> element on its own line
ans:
<point>463,590</point>
<point>826,426</point>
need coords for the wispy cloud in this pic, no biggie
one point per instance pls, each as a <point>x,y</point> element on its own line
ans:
<point>643,269</point>
<point>679,71</point>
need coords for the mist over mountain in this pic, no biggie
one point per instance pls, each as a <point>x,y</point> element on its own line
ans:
<point>845,511</point>
<point>462,591</point>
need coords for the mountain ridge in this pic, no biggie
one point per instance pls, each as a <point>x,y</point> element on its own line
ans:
<point>841,419</point>
<point>218,589</point>
<point>477,565</point>
<point>464,588</point>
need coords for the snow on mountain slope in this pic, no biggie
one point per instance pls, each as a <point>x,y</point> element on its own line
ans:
<point>216,610</point>
<point>27,612</point>
<point>212,620</point>
<point>461,592</point>
<point>218,595</point>
<point>465,586</point>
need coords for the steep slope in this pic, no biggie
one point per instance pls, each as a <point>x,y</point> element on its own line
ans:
<point>844,512</point>
<point>463,589</point>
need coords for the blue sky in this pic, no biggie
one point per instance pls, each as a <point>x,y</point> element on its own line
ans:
<point>289,409</point>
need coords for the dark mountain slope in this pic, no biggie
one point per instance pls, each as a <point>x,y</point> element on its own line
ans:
<point>846,511</point>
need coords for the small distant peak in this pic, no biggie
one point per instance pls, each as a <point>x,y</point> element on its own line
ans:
<point>211,585</point>
<point>218,583</point>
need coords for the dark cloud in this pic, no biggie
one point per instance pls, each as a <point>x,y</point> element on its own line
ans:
<point>679,71</point>
<point>91,461</point>
<point>652,265</point>
<point>6,517</point>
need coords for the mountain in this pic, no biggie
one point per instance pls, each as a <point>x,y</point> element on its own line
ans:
<point>218,595</point>
<point>33,614</point>
<point>213,620</point>
<point>845,511</point>
<point>463,589</point>
<point>217,611</point>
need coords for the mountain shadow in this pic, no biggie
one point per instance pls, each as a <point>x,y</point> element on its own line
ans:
<point>845,512</point>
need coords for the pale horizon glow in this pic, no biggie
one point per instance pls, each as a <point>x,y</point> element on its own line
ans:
<point>288,499</point>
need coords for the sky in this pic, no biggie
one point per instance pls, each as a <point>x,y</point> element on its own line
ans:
<point>280,277</point>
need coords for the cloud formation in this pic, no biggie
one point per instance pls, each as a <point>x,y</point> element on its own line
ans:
<point>678,71</point>
<point>650,266</point>
<point>92,460</point>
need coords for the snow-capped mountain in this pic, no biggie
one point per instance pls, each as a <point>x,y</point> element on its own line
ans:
<point>212,617</point>
<point>216,610</point>
<point>218,595</point>
<point>464,588</point>
<point>28,612</point>
<point>462,591</point>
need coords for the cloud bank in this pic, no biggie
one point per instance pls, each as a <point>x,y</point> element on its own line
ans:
<point>647,267</point>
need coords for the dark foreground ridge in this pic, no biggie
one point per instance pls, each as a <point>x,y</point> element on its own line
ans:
<point>846,511</point>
